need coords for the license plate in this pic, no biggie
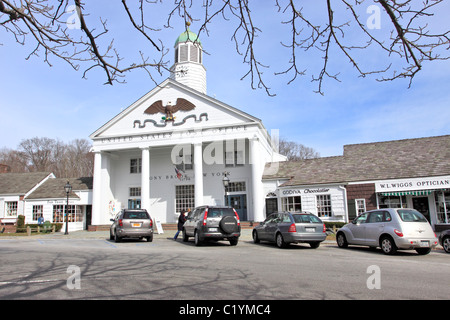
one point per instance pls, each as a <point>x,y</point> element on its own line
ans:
<point>136,225</point>
<point>310,229</point>
<point>425,244</point>
<point>213,229</point>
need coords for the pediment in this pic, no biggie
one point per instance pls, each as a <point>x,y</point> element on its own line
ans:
<point>170,107</point>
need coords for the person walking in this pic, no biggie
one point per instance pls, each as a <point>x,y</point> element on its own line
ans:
<point>181,221</point>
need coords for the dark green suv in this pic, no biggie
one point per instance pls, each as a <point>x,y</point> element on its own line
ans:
<point>212,223</point>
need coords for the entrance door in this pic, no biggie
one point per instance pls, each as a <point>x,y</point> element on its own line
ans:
<point>134,203</point>
<point>239,203</point>
<point>421,205</point>
<point>271,206</point>
<point>88,216</point>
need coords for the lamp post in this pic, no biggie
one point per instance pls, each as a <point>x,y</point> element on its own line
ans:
<point>226,182</point>
<point>68,189</point>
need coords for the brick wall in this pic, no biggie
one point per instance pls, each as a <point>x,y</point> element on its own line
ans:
<point>361,191</point>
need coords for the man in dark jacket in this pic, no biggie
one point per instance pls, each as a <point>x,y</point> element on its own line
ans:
<point>181,221</point>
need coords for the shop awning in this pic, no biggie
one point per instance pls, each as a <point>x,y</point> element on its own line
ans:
<point>408,193</point>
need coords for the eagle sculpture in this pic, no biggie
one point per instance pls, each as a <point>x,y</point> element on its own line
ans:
<point>169,110</point>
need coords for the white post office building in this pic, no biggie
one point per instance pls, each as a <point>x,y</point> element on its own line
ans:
<point>170,149</point>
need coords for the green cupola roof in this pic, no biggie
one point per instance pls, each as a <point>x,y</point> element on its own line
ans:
<point>188,36</point>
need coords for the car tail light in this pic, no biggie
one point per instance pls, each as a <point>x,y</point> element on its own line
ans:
<point>398,232</point>
<point>324,228</point>
<point>205,216</point>
<point>237,217</point>
<point>120,223</point>
<point>151,223</point>
<point>292,228</point>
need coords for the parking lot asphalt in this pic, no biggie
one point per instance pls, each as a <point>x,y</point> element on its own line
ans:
<point>246,235</point>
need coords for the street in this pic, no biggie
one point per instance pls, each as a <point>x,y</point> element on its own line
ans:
<point>93,267</point>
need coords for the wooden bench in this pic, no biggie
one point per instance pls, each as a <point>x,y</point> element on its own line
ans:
<point>40,229</point>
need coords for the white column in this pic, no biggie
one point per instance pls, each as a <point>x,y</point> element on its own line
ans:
<point>257,187</point>
<point>97,189</point>
<point>198,172</point>
<point>145,179</point>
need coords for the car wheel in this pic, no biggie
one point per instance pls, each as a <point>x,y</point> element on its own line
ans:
<point>314,244</point>
<point>116,237</point>
<point>388,245</point>
<point>111,237</point>
<point>234,241</point>
<point>446,244</point>
<point>423,251</point>
<point>280,241</point>
<point>185,236</point>
<point>341,240</point>
<point>197,239</point>
<point>150,239</point>
<point>255,237</point>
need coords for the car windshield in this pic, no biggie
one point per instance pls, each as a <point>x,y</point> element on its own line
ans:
<point>411,216</point>
<point>135,215</point>
<point>306,218</point>
<point>220,212</point>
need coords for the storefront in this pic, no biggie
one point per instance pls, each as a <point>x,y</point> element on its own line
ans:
<point>50,202</point>
<point>325,201</point>
<point>411,173</point>
<point>429,195</point>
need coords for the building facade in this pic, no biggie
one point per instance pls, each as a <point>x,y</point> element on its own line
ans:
<point>41,194</point>
<point>170,149</point>
<point>412,173</point>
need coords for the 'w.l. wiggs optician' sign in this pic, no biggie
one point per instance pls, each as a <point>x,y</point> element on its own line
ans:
<point>413,184</point>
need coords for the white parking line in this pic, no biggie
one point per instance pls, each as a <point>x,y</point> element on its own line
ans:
<point>29,281</point>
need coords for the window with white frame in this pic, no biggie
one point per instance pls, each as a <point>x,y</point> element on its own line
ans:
<point>135,191</point>
<point>75,213</point>
<point>324,205</point>
<point>11,208</point>
<point>360,206</point>
<point>236,186</point>
<point>184,197</point>
<point>234,153</point>
<point>184,161</point>
<point>38,211</point>
<point>291,204</point>
<point>136,165</point>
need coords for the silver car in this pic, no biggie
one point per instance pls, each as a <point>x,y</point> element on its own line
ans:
<point>390,229</point>
<point>132,223</point>
<point>284,228</point>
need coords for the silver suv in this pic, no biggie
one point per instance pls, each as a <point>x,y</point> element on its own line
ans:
<point>131,223</point>
<point>212,223</point>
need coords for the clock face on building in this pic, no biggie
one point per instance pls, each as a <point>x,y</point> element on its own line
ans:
<point>182,71</point>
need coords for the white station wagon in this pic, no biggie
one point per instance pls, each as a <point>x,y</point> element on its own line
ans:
<point>391,230</point>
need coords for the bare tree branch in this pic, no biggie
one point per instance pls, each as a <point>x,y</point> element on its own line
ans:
<point>411,41</point>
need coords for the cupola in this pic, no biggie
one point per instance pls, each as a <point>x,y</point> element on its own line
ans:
<point>188,68</point>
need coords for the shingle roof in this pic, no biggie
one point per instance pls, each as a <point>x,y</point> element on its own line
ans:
<point>20,183</point>
<point>397,159</point>
<point>54,188</point>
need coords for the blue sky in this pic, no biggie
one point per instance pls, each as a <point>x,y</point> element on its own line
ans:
<point>55,102</point>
